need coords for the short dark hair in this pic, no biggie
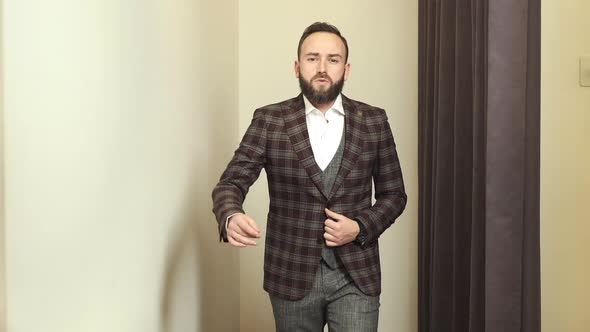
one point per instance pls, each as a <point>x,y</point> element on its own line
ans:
<point>321,27</point>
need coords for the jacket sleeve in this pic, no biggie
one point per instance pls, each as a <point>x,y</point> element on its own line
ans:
<point>390,195</point>
<point>241,172</point>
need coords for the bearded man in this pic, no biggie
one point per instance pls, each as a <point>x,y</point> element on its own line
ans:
<point>322,152</point>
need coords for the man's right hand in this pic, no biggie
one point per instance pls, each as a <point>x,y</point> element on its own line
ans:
<point>242,230</point>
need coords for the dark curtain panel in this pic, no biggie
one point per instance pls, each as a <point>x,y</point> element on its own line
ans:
<point>479,115</point>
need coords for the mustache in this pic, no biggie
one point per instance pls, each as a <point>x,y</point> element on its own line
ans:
<point>321,76</point>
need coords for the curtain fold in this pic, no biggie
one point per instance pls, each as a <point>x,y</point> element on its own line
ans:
<point>479,117</point>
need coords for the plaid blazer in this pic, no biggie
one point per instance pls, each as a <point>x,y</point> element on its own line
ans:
<point>277,140</point>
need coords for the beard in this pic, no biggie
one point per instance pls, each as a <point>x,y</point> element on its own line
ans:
<point>321,96</point>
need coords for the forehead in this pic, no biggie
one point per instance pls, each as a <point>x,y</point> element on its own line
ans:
<point>323,43</point>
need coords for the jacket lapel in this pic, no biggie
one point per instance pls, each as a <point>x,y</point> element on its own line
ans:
<point>296,129</point>
<point>354,132</point>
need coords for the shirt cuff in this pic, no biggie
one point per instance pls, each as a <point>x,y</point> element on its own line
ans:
<point>227,220</point>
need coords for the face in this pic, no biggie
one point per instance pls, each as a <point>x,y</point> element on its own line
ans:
<point>321,67</point>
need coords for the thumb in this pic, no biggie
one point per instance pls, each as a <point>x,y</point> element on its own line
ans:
<point>332,214</point>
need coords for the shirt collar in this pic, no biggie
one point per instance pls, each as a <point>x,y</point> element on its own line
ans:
<point>338,107</point>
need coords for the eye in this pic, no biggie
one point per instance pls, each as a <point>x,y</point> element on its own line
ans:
<point>312,59</point>
<point>334,60</point>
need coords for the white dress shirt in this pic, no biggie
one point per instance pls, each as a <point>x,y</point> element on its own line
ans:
<point>325,130</point>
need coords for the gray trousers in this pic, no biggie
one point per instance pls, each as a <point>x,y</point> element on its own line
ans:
<point>335,300</point>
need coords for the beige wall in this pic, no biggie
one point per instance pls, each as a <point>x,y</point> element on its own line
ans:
<point>120,116</point>
<point>108,119</point>
<point>565,161</point>
<point>2,233</point>
<point>115,113</point>
<point>383,44</point>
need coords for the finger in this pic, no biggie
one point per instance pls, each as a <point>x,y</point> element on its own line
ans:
<point>244,225</point>
<point>331,223</point>
<point>331,244</point>
<point>233,242</point>
<point>244,240</point>
<point>239,236</point>
<point>246,229</point>
<point>333,214</point>
<point>329,229</point>
<point>252,224</point>
<point>330,237</point>
<point>234,228</point>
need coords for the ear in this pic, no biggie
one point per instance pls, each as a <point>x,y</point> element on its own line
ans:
<point>296,67</point>
<point>346,71</point>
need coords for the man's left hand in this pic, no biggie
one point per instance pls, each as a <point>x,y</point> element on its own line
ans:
<point>339,230</point>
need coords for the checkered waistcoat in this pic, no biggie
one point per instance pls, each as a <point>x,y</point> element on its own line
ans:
<point>277,140</point>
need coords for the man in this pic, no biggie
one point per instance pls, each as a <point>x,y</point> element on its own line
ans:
<point>321,151</point>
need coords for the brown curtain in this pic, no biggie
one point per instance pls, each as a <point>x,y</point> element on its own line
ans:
<point>479,115</point>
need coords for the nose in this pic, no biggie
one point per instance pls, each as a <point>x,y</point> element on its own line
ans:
<point>322,66</point>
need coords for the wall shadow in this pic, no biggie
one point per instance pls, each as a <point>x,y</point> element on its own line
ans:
<point>211,284</point>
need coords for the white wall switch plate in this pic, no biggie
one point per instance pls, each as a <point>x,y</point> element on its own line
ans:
<point>585,71</point>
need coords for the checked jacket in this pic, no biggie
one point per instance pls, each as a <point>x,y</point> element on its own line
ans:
<point>277,140</point>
